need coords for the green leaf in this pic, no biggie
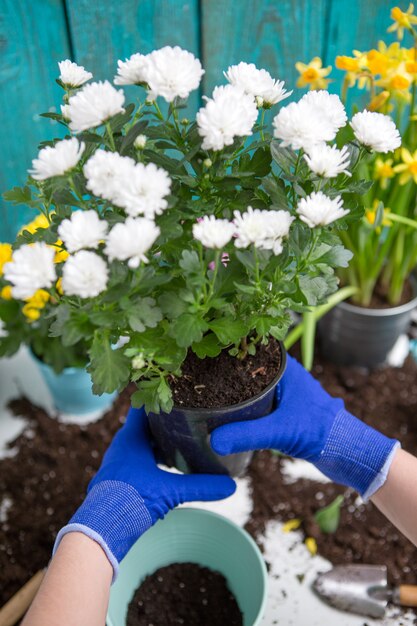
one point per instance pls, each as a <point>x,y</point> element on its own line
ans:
<point>228,330</point>
<point>110,369</point>
<point>171,305</point>
<point>154,394</point>
<point>208,346</point>
<point>188,329</point>
<point>276,193</point>
<point>131,135</point>
<point>284,157</point>
<point>328,518</point>
<point>18,195</point>
<point>260,162</point>
<point>338,256</point>
<point>144,314</point>
<point>314,289</point>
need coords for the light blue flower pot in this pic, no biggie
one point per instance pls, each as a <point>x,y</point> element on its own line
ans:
<point>195,536</point>
<point>71,390</point>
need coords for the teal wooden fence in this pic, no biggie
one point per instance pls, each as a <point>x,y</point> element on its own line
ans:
<point>36,34</point>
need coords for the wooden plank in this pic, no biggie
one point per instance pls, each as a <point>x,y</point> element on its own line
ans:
<point>33,39</point>
<point>104,32</point>
<point>357,25</point>
<point>271,34</point>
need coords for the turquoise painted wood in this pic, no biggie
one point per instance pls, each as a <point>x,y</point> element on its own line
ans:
<point>274,34</point>
<point>33,37</point>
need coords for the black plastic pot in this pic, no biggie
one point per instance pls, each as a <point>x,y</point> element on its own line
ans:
<point>183,436</point>
<point>353,335</point>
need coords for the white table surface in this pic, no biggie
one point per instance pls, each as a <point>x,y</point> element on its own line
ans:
<point>290,600</point>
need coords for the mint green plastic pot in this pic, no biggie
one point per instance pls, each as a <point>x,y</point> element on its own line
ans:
<point>195,536</point>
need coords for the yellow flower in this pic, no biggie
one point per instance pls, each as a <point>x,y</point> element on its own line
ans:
<point>61,255</point>
<point>5,255</point>
<point>379,101</point>
<point>408,167</point>
<point>39,222</point>
<point>32,314</point>
<point>58,286</point>
<point>398,79</point>
<point>292,524</point>
<point>6,293</point>
<point>378,62</point>
<point>313,74</point>
<point>411,67</point>
<point>383,171</point>
<point>355,67</point>
<point>403,20</point>
<point>311,545</point>
<point>370,216</point>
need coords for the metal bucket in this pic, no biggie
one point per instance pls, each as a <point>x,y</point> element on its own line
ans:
<point>353,335</point>
<point>183,436</point>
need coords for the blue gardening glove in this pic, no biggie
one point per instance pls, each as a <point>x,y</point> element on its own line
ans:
<point>309,424</point>
<point>130,493</point>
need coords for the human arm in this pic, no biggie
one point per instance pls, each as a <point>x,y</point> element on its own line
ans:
<point>397,498</point>
<point>125,498</point>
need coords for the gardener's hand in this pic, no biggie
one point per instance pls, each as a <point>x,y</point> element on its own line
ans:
<point>130,493</point>
<point>310,424</point>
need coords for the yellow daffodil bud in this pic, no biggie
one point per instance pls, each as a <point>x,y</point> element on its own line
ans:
<point>292,524</point>
<point>311,545</point>
<point>32,314</point>
<point>379,101</point>
<point>5,255</point>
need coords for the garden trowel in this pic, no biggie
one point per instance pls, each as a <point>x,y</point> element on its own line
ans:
<point>362,589</point>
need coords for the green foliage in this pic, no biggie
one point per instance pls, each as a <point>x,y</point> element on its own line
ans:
<point>328,518</point>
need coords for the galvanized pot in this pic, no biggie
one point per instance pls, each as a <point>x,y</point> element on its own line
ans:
<point>353,335</point>
<point>183,436</point>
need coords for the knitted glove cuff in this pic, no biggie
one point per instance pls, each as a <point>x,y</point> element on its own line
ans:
<point>356,455</point>
<point>114,515</point>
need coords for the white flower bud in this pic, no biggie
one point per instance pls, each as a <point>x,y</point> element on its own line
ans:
<point>207,162</point>
<point>138,362</point>
<point>259,102</point>
<point>140,142</point>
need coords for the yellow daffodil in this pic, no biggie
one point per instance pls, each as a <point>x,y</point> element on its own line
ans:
<point>5,255</point>
<point>398,80</point>
<point>355,68</point>
<point>378,101</point>
<point>403,20</point>
<point>6,293</point>
<point>408,167</point>
<point>311,545</point>
<point>370,216</point>
<point>61,255</point>
<point>313,74</point>
<point>58,286</point>
<point>291,524</point>
<point>39,222</point>
<point>378,62</point>
<point>384,171</point>
<point>34,305</point>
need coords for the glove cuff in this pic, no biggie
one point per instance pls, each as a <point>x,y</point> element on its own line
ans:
<point>356,455</point>
<point>114,515</point>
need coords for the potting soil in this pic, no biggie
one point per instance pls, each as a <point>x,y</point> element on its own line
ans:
<point>184,593</point>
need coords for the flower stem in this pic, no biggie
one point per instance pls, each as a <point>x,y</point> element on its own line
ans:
<point>110,136</point>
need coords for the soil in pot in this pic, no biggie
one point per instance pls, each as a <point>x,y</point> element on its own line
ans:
<point>184,593</point>
<point>387,400</point>
<point>225,380</point>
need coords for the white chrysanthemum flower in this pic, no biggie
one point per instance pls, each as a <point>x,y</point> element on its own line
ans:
<point>317,209</point>
<point>131,240</point>
<point>65,112</point>
<point>172,72</point>
<point>73,75</point>
<point>328,161</point>
<point>83,230</point>
<point>213,233</point>
<point>106,173</point>
<point>31,268</point>
<point>230,113</point>
<point>299,125</point>
<point>3,331</point>
<point>85,274</point>
<point>329,106</point>
<point>376,131</point>
<point>58,159</point>
<point>257,83</point>
<point>262,228</point>
<point>132,70</point>
<point>93,105</point>
<point>143,192</point>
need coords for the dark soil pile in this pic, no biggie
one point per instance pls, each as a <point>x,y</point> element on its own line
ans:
<point>385,399</point>
<point>45,482</point>
<point>184,593</point>
<point>225,380</point>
